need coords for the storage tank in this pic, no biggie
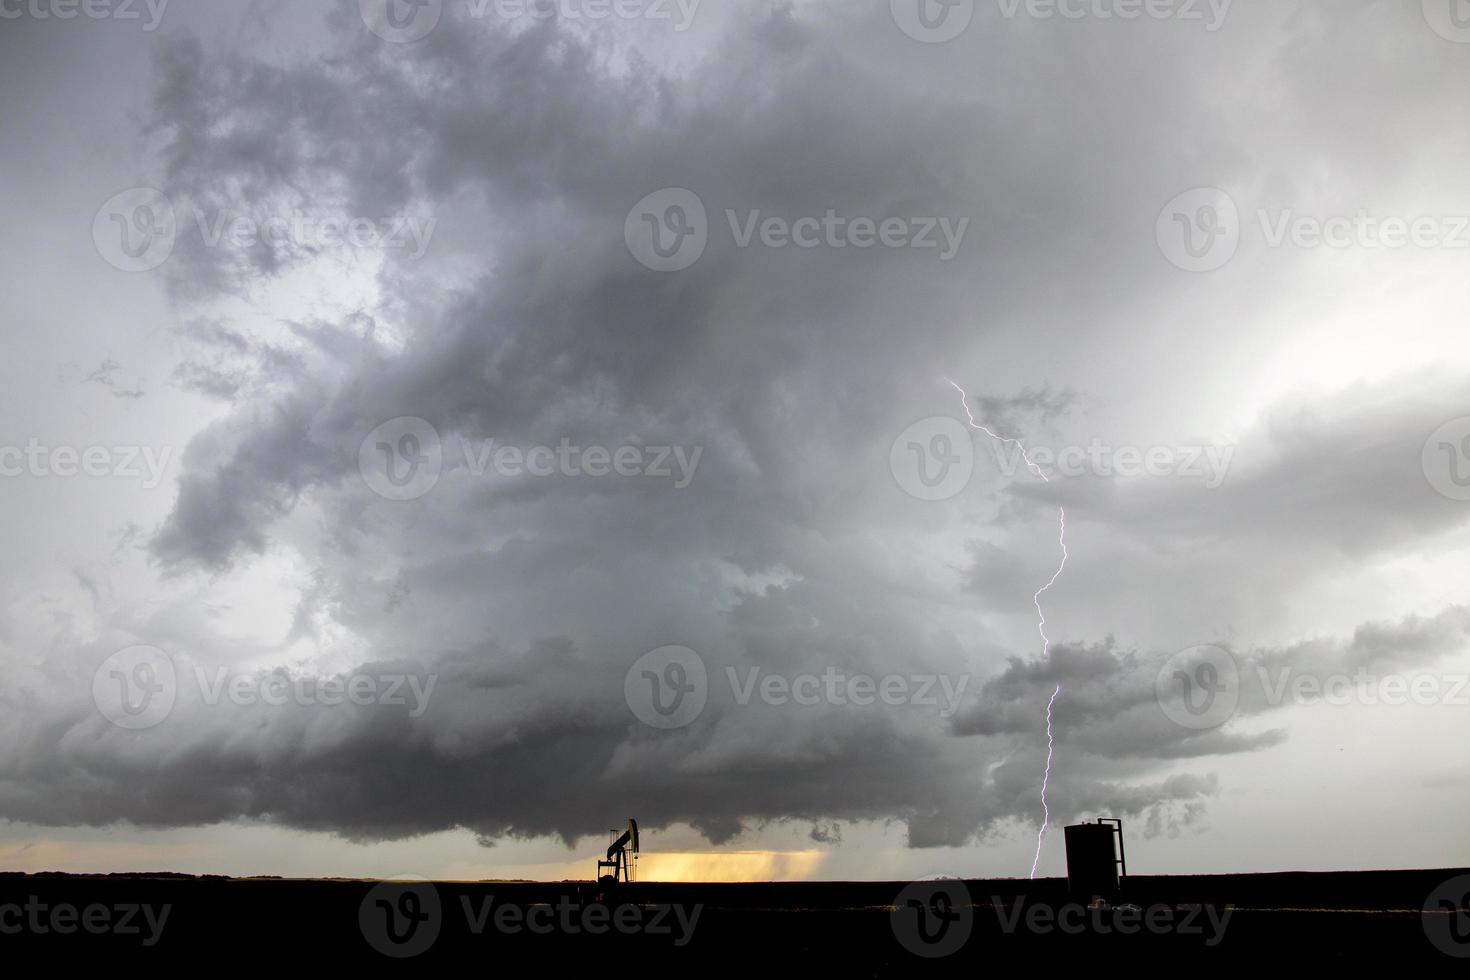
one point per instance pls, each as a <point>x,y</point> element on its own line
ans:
<point>1095,861</point>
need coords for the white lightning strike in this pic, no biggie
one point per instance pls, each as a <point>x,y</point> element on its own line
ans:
<point>1045,778</point>
<point>1040,615</point>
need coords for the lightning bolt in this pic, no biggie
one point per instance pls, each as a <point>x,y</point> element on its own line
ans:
<point>1045,778</point>
<point>1040,614</point>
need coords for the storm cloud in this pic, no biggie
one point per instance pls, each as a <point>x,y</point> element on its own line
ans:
<point>493,302</point>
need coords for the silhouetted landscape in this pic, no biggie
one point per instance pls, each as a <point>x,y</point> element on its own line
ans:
<point>1266,919</point>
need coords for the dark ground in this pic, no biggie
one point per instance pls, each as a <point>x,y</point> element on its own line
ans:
<point>1324,920</point>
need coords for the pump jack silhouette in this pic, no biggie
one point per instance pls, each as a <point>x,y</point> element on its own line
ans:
<point>617,857</point>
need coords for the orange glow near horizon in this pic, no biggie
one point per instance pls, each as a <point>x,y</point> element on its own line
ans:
<point>138,856</point>
<point>91,857</point>
<point>696,866</point>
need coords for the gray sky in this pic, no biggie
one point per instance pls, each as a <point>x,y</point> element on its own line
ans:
<point>1206,263</point>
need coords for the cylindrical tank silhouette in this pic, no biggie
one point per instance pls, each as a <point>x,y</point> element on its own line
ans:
<point>1094,856</point>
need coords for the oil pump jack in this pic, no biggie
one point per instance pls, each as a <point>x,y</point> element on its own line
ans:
<point>617,857</point>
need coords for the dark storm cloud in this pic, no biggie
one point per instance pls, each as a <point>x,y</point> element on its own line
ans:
<point>528,321</point>
<point>558,167</point>
<point>510,745</point>
<point>1113,702</point>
